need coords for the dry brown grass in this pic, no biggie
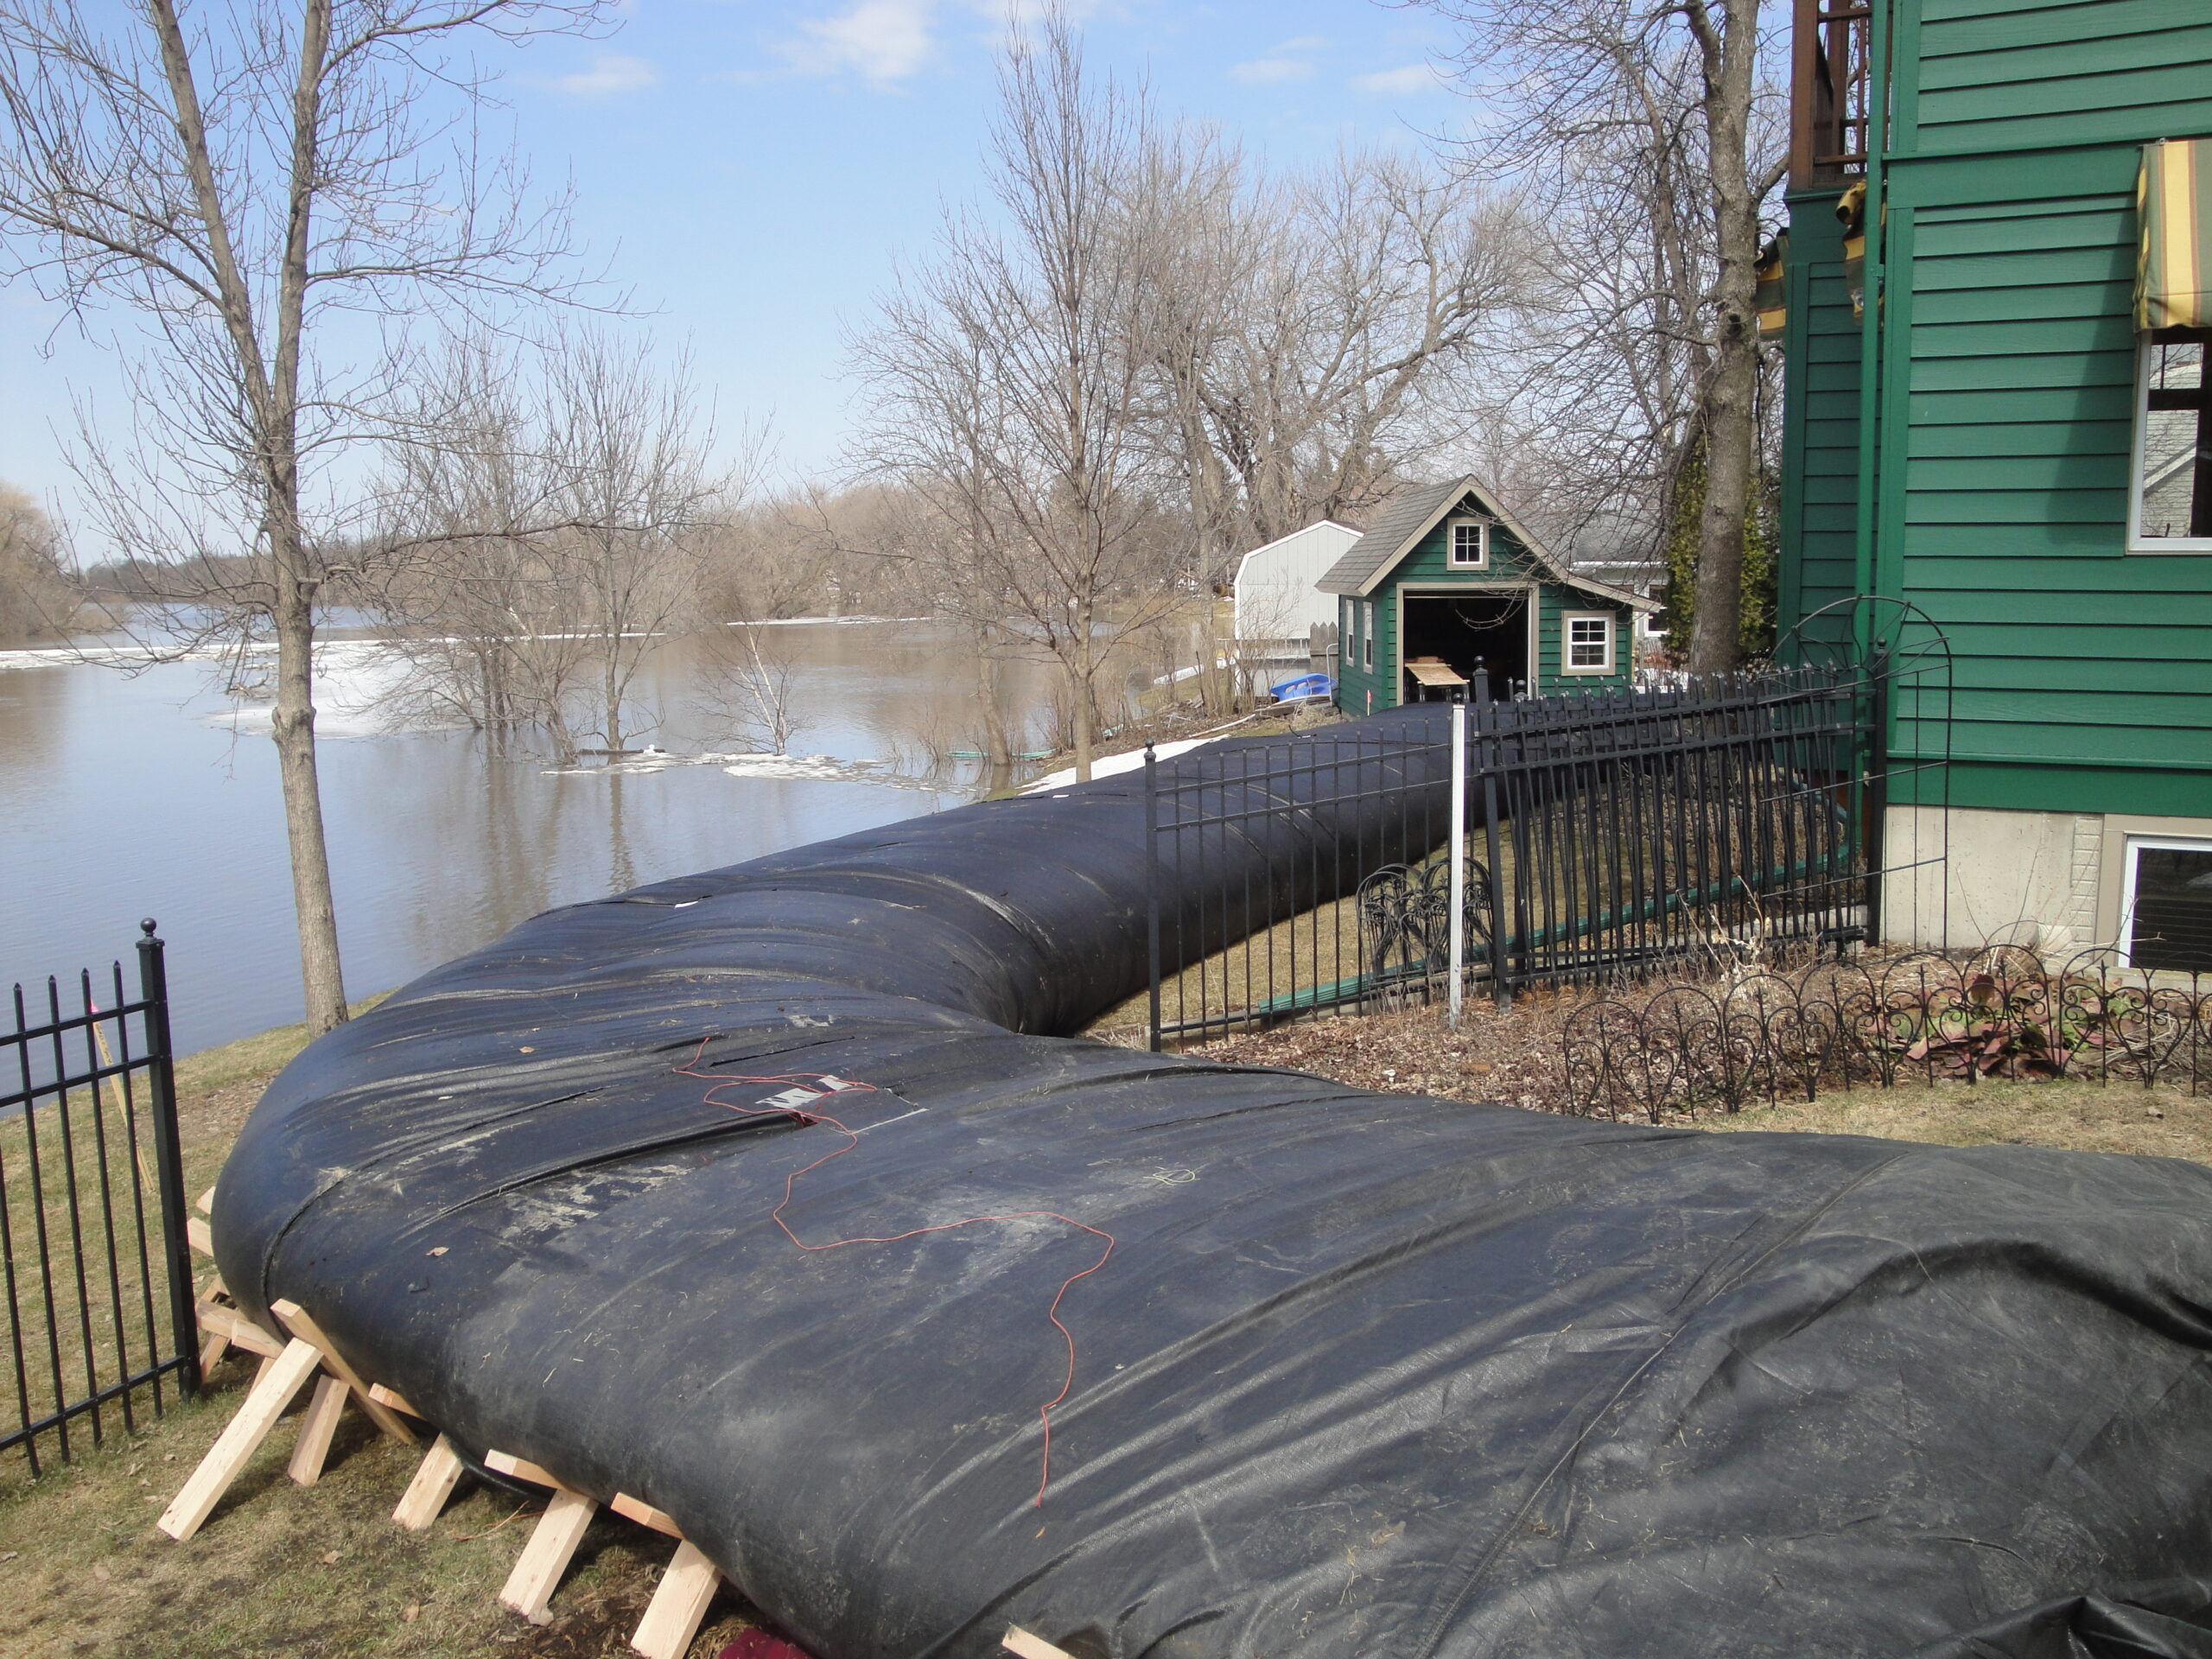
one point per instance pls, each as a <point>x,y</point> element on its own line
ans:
<point>281,1568</point>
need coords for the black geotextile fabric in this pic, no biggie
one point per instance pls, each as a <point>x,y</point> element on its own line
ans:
<point>1359,1374</point>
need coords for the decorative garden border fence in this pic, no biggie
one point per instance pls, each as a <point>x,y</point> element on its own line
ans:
<point>94,1256</point>
<point>1603,835</point>
<point>2001,1012</point>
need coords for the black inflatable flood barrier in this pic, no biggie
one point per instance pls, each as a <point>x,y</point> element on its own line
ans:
<point>1336,1373</point>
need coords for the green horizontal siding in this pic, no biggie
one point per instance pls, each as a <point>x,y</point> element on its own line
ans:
<point>1953,27</point>
<point>2081,674</point>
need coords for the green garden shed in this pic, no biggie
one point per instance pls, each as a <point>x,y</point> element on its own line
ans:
<point>1448,584</point>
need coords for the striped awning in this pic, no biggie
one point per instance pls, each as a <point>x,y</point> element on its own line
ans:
<point>2173,199</point>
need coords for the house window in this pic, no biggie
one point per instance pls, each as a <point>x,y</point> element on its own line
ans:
<point>1367,632</point>
<point>2173,508</point>
<point>1469,544</point>
<point>2166,906</point>
<point>1589,639</point>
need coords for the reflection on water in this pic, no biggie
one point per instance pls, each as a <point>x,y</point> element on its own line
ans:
<point>122,797</point>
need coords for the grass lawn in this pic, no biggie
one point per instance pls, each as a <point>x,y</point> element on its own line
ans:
<point>2161,1122</point>
<point>281,1568</point>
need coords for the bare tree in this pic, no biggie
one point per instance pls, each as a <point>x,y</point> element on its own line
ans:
<point>237,179</point>
<point>1009,383</point>
<point>544,508</point>
<point>37,597</point>
<point>1648,134</point>
<point>749,685</point>
<point>1315,335</point>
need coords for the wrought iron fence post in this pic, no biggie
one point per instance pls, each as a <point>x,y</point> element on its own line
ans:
<point>1459,853</point>
<point>168,1156</point>
<point>1152,891</point>
<point>1877,768</point>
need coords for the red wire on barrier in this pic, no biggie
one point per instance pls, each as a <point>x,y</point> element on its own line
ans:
<point>804,1116</point>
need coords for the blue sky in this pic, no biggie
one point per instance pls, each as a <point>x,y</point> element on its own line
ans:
<point>755,170</point>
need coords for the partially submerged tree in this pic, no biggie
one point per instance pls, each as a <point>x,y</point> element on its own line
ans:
<point>544,508</point>
<point>279,191</point>
<point>1009,383</point>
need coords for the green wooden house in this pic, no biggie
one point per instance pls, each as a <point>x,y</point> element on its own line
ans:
<point>1996,413</point>
<point>1448,585</point>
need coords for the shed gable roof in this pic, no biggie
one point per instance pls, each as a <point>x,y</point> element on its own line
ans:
<point>1413,515</point>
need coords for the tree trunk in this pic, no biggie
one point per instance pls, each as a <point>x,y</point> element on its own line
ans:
<point>1080,695</point>
<point>1729,404</point>
<point>293,728</point>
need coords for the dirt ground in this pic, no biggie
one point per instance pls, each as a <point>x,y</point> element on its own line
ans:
<point>1516,1059</point>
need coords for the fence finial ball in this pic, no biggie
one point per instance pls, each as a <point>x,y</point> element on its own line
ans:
<point>146,926</point>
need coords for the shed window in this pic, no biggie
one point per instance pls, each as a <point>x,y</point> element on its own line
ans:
<point>2166,906</point>
<point>2173,444</point>
<point>1589,642</point>
<point>1470,542</point>
<point>1367,632</point>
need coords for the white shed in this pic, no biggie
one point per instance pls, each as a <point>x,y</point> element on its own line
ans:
<point>1276,599</point>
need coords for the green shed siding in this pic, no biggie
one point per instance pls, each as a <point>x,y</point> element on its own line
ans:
<point>2007,362</point>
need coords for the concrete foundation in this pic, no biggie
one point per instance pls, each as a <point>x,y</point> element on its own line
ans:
<point>2050,881</point>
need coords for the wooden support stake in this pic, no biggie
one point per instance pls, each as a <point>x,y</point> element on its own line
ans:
<point>297,1321</point>
<point>637,1509</point>
<point>212,1352</point>
<point>238,1332</point>
<point>433,1485</point>
<point>317,1427</point>
<point>282,1378</point>
<point>538,1570</point>
<point>393,1398</point>
<point>679,1604</point>
<point>206,1201</point>
<point>505,1463</point>
<point>200,1235</point>
<point>1031,1647</point>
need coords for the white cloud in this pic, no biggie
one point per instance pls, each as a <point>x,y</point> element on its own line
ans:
<point>1285,61</point>
<point>882,40</point>
<point>1413,78</point>
<point>1266,70</point>
<point>609,76</point>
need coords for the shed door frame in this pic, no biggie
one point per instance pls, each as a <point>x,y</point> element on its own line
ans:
<point>1464,590</point>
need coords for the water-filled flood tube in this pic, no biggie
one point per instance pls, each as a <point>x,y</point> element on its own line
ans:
<point>777,1197</point>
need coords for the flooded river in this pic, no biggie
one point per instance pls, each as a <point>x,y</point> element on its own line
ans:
<point>155,793</point>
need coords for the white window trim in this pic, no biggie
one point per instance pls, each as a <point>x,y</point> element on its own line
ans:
<point>2124,936</point>
<point>1567,621</point>
<point>2136,542</point>
<point>1452,559</point>
<point>1367,633</point>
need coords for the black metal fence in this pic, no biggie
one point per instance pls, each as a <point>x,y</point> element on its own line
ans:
<point>94,1256</point>
<point>1606,834</point>
<point>2001,1012</point>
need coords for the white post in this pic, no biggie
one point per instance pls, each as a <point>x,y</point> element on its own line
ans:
<point>1459,853</point>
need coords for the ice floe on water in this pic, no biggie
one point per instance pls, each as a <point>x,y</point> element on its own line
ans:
<point>358,692</point>
<point>815,768</point>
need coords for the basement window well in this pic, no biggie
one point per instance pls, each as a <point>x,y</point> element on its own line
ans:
<point>2166,906</point>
